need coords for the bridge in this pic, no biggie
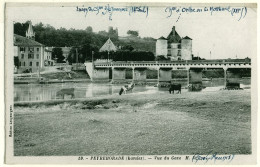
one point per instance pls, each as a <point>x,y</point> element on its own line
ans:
<point>225,63</point>
<point>117,69</point>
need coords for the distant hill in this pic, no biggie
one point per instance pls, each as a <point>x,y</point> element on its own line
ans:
<point>139,44</point>
<point>50,36</point>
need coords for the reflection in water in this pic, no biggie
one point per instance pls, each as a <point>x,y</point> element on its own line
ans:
<point>42,92</point>
<point>68,91</point>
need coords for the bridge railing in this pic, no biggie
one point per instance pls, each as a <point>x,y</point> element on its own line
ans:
<point>217,61</point>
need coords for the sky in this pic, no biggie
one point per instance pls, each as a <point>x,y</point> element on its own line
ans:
<point>216,35</point>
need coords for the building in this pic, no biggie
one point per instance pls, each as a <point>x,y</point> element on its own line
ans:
<point>30,34</point>
<point>48,57</point>
<point>174,47</point>
<point>108,46</point>
<point>32,55</point>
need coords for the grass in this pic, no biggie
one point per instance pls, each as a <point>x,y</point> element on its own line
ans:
<point>147,124</point>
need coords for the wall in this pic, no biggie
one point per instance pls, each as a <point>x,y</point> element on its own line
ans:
<point>195,76</point>
<point>119,73</point>
<point>34,60</point>
<point>161,47</point>
<point>101,74</point>
<point>139,74</point>
<point>47,58</point>
<point>173,53</point>
<point>15,51</point>
<point>186,49</point>
<point>89,69</point>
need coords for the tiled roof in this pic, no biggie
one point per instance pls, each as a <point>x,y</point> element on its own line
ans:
<point>174,38</point>
<point>47,50</point>
<point>108,46</point>
<point>23,41</point>
<point>187,38</point>
<point>162,38</point>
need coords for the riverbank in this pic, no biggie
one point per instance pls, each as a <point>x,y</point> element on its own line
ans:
<point>136,124</point>
<point>53,77</point>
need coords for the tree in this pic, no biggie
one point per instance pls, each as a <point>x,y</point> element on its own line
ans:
<point>83,39</point>
<point>104,33</point>
<point>58,54</point>
<point>133,33</point>
<point>197,58</point>
<point>128,47</point>
<point>161,58</point>
<point>21,28</point>
<point>16,61</point>
<point>89,29</point>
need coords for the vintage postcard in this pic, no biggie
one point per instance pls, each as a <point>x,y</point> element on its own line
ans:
<point>131,83</point>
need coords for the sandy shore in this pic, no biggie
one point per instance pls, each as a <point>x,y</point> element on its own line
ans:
<point>136,124</point>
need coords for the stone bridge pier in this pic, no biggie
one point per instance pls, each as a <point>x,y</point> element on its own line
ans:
<point>233,75</point>
<point>139,74</point>
<point>118,73</point>
<point>100,74</point>
<point>195,79</point>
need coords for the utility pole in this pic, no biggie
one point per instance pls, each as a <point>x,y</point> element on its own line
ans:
<point>39,67</point>
<point>77,55</point>
<point>92,56</point>
<point>108,56</point>
<point>92,65</point>
<point>76,58</point>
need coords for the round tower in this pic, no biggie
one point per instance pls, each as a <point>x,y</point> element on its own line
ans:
<point>161,46</point>
<point>186,48</point>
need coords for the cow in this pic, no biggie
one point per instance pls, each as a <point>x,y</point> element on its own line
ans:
<point>68,91</point>
<point>126,88</point>
<point>175,87</point>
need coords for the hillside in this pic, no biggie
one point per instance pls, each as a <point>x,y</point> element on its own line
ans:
<point>142,44</point>
<point>50,36</point>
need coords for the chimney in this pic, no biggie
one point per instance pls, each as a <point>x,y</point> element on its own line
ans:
<point>173,31</point>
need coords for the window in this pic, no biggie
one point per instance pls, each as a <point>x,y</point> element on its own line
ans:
<point>37,64</point>
<point>38,49</point>
<point>31,49</point>
<point>30,63</point>
<point>37,56</point>
<point>22,56</point>
<point>30,56</point>
<point>23,63</point>
<point>22,49</point>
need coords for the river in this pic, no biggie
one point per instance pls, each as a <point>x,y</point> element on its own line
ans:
<point>44,92</point>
